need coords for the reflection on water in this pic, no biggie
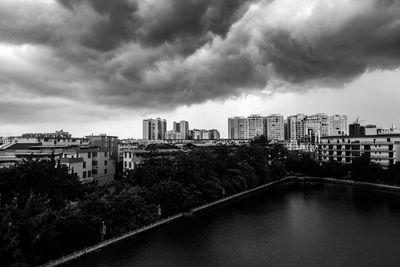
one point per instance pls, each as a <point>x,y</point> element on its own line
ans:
<point>288,225</point>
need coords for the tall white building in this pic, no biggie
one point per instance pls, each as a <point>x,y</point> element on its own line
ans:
<point>184,129</point>
<point>274,127</point>
<point>295,127</point>
<point>256,125</point>
<point>315,127</point>
<point>154,129</point>
<point>238,128</point>
<point>338,125</point>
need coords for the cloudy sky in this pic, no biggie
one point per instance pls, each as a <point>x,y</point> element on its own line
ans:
<point>100,66</point>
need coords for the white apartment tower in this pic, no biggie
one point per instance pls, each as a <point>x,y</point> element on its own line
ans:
<point>295,127</point>
<point>338,125</point>
<point>256,125</point>
<point>184,129</point>
<point>274,127</point>
<point>238,128</point>
<point>154,129</point>
<point>315,127</point>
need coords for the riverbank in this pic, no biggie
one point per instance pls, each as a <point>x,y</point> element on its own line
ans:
<point>113,241</point>
<point>204,208</point>
<point>345,182</point>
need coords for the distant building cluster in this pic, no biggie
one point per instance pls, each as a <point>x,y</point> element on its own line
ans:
<point>94,158</point>
<point>357,130</point>
<point>156,130</point>
<point>301,128</point>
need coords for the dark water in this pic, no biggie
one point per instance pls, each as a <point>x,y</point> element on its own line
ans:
<point>289,225</point>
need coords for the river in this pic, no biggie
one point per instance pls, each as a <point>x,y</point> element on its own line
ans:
<point>286,225</point>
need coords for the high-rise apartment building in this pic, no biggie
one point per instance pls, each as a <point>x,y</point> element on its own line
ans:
<point>214,134</point>
<point>274,127</point>
<point>338,125</point>
<point>356,130</point>
<point>295,127</point>
<point>256,125</point>
<point>315,127</point>
<point>184,129</point>
<point>154,129</point>
<point>176,127</point>
<point>180,130</point>
<point>238,128</point>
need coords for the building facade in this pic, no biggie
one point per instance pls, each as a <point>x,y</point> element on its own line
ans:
<point>274,127</point>
<point>91,165</point>
<point>238,128</point>
<point>338,125</point>
<point>154,129</point>
<point>315,127</point>
<point>256,125</point>
<point>106,142</point>
<point>381,149</point>
<point>295,127</point>
<point>184,129</point>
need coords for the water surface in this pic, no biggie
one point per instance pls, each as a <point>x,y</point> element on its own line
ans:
<point>287,225</point>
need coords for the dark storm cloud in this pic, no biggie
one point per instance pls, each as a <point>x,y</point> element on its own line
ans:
<point>118,26</point>
<point>182,22</point>
<point>163,54</point>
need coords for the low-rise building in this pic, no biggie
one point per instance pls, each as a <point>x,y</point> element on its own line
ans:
<point>107,142</point>
<point>91,164</point>
<point>133,157</point>
<point>381,149</point>
<point>125,145</point>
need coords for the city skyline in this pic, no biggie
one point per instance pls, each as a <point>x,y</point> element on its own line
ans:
<point>93,66</point>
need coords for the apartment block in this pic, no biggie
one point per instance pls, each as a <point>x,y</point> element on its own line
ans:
<point>91,165</point>
<point>238,128</point>
<point>381,149</point>
<point>295,127</point>
<point>106,142</point>
<point>154,129</point>
<point>256,125</point>
<point>338,125</point>
<point>274,127</point>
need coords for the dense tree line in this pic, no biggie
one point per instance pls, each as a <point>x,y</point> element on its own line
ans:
<point>47,213</point>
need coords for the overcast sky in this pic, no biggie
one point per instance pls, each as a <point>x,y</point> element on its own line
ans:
<point>101,66</point>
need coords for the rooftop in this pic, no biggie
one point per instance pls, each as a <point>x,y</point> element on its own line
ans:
<point>365,136</point>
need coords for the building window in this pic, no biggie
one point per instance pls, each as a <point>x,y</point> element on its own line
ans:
<point>105,154</point>
<point>105,171</point>
<point>89,174</point>
<point>94,171</point>
<point>105,162</point>
<point>94,162</point>
<point>130,165</point>
<point>84,164</point>
<point>89,155</point>
<point>126,164</point>
<point>84,174</point>
<point>94,154</point>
